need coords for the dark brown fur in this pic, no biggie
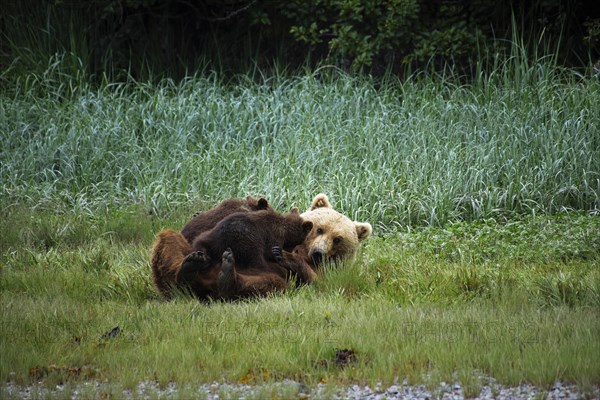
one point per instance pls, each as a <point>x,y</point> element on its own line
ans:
<point>249,247</point>
<point>175,264</point>
<point>206,220</point>
<point>252,236</point>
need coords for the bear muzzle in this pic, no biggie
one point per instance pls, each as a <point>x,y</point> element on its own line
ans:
<point>317,256</point>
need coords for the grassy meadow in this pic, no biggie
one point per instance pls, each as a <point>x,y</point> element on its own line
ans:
<point>484,198</point>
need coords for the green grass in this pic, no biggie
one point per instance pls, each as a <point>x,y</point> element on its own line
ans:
<point>432,305</point>
<point>484,198</point>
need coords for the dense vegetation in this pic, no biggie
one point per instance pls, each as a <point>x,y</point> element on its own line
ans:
<point>422,151</point>
<point>484,194</point>
<point>150,38</point>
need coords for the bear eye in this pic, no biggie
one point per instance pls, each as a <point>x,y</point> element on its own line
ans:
<point>337,240</point>
<point>320,231</point>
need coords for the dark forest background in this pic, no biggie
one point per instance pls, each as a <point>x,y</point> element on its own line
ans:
<point>176,38</point>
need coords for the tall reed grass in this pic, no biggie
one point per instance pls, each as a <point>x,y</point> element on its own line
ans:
<point>426,150</point>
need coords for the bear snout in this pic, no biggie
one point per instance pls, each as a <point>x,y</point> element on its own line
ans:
<point>317,256</point>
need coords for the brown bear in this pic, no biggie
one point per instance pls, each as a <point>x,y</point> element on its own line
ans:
<point>171,247</point>
<point>332,237</point>
<point>226,280</point>
<point>204,221</point>
<point>253,236</point>
<point>245,241</point>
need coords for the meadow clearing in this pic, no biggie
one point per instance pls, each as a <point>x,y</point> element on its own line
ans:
<point>484,198</point>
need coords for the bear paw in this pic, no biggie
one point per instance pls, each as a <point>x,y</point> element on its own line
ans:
<point>197,259</point>
<point>226,282</point>
<point>276,250</point>
<point>228,264</point>
<point>193,263</point>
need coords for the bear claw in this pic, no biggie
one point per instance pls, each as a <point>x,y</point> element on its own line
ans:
<point>227,266</point>
<point>226,275</point>
<point>192,264</point>
<point>276,250</point>
<point>228,256</point>
<point>198,258</point>
<point>196,261</point>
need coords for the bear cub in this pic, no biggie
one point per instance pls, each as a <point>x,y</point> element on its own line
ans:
<point>254,238</point>
<point>206,220</point>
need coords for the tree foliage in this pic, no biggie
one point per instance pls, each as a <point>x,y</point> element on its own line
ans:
<point>353,32</point>
<point>175,37</point>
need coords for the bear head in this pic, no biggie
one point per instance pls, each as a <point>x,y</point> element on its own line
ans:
<point>333,235</point>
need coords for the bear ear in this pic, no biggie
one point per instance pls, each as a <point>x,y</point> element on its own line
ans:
<point>320,201</point>
<point>263,204</point>
<point>363,230</point>
<point>307,226</point>
<point>294,210</point>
